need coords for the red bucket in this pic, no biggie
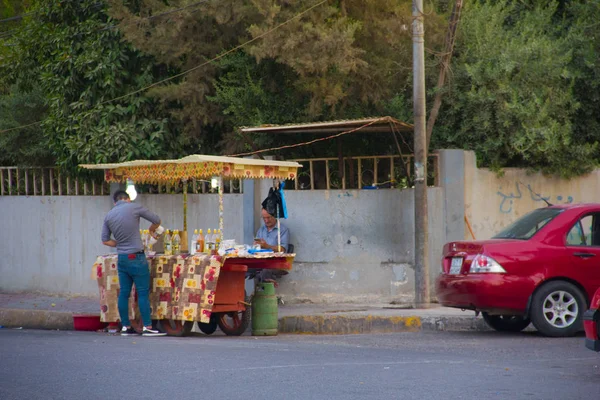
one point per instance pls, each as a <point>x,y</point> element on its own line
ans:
<point>86,322</point>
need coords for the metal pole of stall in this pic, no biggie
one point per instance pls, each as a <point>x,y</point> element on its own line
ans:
<point>221,207</point>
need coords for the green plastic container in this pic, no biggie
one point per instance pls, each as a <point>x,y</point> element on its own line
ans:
<point>264,310</point>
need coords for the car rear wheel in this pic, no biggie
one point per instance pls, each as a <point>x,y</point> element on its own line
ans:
<point>557,309</point>
<point>506,323</point>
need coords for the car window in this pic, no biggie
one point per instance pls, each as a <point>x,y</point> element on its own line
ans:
<point>585,232</point>
<point>576,236</point>
<point>525,227</point>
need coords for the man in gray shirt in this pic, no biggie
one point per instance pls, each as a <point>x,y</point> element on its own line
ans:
<point>123,222</point>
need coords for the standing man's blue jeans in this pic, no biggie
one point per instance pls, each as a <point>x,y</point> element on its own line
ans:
<point>133,268</point>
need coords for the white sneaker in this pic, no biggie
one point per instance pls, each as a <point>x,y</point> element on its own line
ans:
<point>152,332</point>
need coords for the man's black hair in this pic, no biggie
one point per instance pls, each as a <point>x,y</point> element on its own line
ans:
<point>120,195</point>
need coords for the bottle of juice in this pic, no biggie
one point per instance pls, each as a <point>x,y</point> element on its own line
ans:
<point>200,242</point>
<point>147,242</point>
<point>168,244</point>
<point>193,242</point>
<point>213,240</point>
<point>176,243</point>
<point>217,245</point>
<point>207,247</point>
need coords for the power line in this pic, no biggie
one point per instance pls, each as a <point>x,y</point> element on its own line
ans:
<point>197,66</point>
<point>21,127</point>
<point>16,17</point>
<point>217,57</point>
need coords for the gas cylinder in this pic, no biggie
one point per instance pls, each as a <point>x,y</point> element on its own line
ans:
<point>264,310</point>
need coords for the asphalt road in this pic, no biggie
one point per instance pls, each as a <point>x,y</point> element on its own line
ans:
<point>444,365</point>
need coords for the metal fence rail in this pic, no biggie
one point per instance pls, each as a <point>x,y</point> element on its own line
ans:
<point>16,181</point>
<point>365,172</point>
<point>49,181</point>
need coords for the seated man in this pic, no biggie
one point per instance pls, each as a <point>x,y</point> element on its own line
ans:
<point>267,233</point>
<point>267,238</point>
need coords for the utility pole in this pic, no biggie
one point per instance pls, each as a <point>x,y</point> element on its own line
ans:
<point>422,296</point>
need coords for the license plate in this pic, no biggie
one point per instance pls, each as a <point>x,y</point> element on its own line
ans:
<point>456,265</point>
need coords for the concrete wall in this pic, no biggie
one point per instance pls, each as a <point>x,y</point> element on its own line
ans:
<point>357,245</point>
<point>351,245</point>
<point>452,179</point>
<point>492,202</point>
<point>49,244</point>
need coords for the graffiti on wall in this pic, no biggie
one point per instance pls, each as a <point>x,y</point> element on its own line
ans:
<point>522,189</point>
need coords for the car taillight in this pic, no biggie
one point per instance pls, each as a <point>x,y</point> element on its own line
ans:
<point>483,263</point>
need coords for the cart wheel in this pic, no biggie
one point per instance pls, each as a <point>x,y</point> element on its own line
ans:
<point>234,323</point>
<point>210,327</point>
<point>176,327</point>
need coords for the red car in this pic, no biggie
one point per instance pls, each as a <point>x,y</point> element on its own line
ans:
<point>543,269</point>
<point>591,324</point>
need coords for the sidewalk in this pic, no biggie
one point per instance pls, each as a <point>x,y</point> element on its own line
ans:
<point>38,311</point>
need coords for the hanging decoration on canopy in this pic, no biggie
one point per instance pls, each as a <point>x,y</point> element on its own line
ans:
<point>196,167</point>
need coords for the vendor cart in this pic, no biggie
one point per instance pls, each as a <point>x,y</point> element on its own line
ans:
<point>205,288</point>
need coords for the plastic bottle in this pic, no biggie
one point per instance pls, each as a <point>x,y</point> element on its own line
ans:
<point>217,245</point>
<point>207,247</point>
<point>145,233</point>
<point>193,242</point>
<point>200,242</point>
<point>143,239</point>
<point>168,244</point>
<point>148,240</point>
<point>176,243</point>
<point>213,240</point>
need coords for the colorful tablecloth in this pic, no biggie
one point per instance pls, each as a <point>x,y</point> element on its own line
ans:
<point>180,288</point>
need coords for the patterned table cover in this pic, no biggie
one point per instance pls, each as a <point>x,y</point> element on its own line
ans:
<point>181,288</point>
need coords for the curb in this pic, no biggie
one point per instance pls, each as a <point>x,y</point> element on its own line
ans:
<point>341,325</point>
<point>36,319</point>
<point>303,324</point>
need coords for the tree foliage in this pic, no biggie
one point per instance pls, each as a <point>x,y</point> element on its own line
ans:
<point>20,146</point>
<point>68,53</point>
<point>23,146</point>
<point>342,59</point>
<point>522,92</point>
<point>513,97</point>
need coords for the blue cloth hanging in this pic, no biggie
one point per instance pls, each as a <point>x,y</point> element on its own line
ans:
<point>283,205</point>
